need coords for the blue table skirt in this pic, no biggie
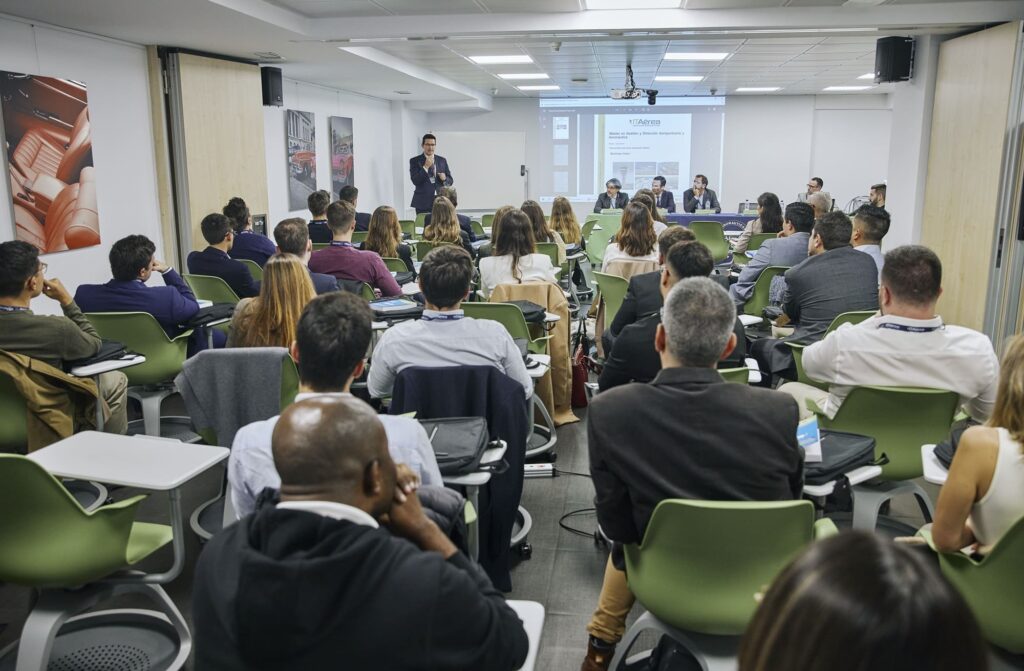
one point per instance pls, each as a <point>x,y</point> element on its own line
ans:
<point>730,222</point>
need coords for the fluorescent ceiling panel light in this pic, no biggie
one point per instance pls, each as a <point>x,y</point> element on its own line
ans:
<point>679,78</point>
<point>846,88</point>
<point>531,75</point>
<point>538,87</point>
<point>636,4</point>
<point>511,59</point>
<point>694,56</point>
<point>757,89</point>
<point>870,75</point>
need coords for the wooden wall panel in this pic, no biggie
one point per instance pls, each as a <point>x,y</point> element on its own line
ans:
<point>222,111</point>
<point>969,128</point>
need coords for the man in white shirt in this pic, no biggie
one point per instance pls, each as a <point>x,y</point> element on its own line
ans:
<point>333,335</point>
<point>870,224</point>
<point>905,345</point>
<point>444,336</point>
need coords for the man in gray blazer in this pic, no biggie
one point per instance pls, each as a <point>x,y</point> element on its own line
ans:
<point>788,251</point>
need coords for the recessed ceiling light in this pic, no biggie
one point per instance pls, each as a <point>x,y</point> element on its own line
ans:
<point>511,59</point>
<point>525,75</point>
<point>757,89</point>
<point>679,78</point>
<point>538,87</point>
<point>694,56</point>
<point>846,88</point>
<point>870,75</point>
<point>635,4</point>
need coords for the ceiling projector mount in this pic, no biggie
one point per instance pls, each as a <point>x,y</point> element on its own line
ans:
<point>631,92</point>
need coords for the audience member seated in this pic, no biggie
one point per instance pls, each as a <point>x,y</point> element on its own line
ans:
<point>346,569</point>
<point>350,195</point>
<point>465,223</point>
<point>677,436</point>
<point>385,237</point>
<point>700,197</point>
<point>247,245</point>
<point>214,260</point>
<point>487,249</point>
<point>646,197</point>
<point>515,257</point>
<point>342,260</point>
<point>984,493</point>
<point>870,224</point>
<point>614,198</point>
<point>565,223</point>
<point>632,357</point>
<point>444,336</point>
<point>789,249</point>
<point>319,231</point>
<point>292,237</point>
<point>132,263</point>
<point>270,319</point>
<point>859,601</point>
<point>821,203</point>
<point>876,196</point>
<point>541,231</point>
<point>52,340</point>
<point>906,345</point>
<point>769,220</point>
<point>444,226</point>
<point>635,240</point>
<point>330,342</point>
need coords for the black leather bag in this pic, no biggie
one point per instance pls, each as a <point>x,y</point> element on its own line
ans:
<point>533,313</point>
<point>209,314</point>
<point>841,453</point>
<point>458,442</point>
<point>109,350</point>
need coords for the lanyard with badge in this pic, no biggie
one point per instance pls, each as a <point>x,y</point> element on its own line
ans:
<point>341,243</point>
<point>441,317</point>
<point>12,308</point>
<point>906,328</point>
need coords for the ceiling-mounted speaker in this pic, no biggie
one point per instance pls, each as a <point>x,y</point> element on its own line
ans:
<point>894,59</point>
<point>273,88</point>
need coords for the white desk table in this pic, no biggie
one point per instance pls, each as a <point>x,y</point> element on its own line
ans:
<point>204,303</point>
<point>934,471</point>
<point>144,462</point>
<point>94,370</point>
<point>532,615</point>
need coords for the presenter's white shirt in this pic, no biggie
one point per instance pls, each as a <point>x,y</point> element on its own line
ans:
<point>495,270</point>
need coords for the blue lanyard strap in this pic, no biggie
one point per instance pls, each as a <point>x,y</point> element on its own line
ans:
<point>442,317</point>
<point>12,308</point>
<point>909,329</point>
<point>338,243</point>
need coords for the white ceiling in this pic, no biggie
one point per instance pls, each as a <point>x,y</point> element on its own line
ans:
<point>421,46</point>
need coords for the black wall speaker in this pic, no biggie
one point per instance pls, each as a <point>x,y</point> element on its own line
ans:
<point>894,59</point>
<point>273,91</point>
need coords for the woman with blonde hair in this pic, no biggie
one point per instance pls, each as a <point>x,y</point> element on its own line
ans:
<point>564,222</point>
<point>635,240</point>
<point>384,236</point>
<point>270,319</point>
<point>444,225</point>
<point>984,493</point>
<point>515,257</point>
<point>541,231</point>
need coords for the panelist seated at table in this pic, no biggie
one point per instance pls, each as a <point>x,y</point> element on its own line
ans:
<point>132,263</point>
<point>700,197</point>
<point>346,570</point>
<point>54,340</point>
<point>215,261</point>
<point>613,198</point>
<point>663,198</point>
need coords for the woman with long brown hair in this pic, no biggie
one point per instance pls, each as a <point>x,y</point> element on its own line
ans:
<point>270,319</point>
<point>384,236</point>
<point>444,225</point>
<point>541,231</point>
<point>564,221</point>
<point>515,257</point>
<point>487,249</point>
<point>649,199</point>
<point>769,220</point>
<point>636,240</point>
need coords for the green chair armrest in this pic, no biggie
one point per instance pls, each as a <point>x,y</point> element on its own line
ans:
<point>954,558</point>
<point>183,334</point>
<point>130,502</point>
<point>795,345</point>
<point>824,528</point>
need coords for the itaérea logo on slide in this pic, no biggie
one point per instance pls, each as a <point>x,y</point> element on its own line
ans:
<point>645,122</point>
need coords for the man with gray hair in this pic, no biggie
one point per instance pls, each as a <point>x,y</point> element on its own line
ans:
<point>676,436</point>
<point>821,202</point>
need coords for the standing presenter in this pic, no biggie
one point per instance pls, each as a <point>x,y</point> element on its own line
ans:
<point>429,173</point>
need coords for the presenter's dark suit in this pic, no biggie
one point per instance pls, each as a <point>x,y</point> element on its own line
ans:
<point>212,261</point>
<point>666,200</point>
<point>689,435</point>
<point>822,287</point>
<point>708,199</point>
<point>604,202</point>
<point>423,197</point>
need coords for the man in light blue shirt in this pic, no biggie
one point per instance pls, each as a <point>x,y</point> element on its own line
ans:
<point>786,251</point>
<point>870,224</point>
<point>333,334</point>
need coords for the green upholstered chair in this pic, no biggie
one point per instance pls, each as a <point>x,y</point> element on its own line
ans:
<point>478,228</point>
<point>511,317</point>
<point>359,237</point>
<point>254,269</point>
<point>735,375</point>
<point>408,227</point>
<point>798,348</point>
<point>759,299</point>
<point>210,288</point>
<point>395,265</point>
<point>613,292</point>
<point>550,249</point>
<point>755,242</point>
<point>423,248</point>
<point>487,220</point>
<point>712,234</point>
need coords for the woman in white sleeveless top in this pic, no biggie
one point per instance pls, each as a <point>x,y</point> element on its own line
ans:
<point>984,494</point>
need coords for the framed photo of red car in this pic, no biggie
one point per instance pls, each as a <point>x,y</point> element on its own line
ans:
<point>49,160</point>
<point>301,138</point>
<point>341,153</point>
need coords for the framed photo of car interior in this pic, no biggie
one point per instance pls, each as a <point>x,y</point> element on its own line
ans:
<point>300,135</point>
<point>341,154</point>
<point>49,160</point>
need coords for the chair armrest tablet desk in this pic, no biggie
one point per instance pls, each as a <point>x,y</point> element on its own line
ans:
<point>94,371</point>
<point>934,471</point>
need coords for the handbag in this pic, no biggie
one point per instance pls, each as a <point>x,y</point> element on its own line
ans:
<point>459,443</point>
<point>533,313</point>
<point>109,350</point>
<point>841,452</point>
<point>211,313</point>
<point>580,366</point>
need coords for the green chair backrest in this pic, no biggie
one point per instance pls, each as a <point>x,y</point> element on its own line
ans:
<point>14,425</point>
<point>209,288</point>
<point>140,332</point>
<point>408,227</point>
<point>759,299</point>
<point>735,375</point>
<point>366,291</point>
<point>320,245</point>
<point>359,237</point>
<point>423,248</point>
<point>510,316</point>
<point>797,349</point>
<point>420,218</point>
<point>849,318</point>
<point>711,234</point>
<point>900,419</point>
<point>613,291</point>
<point>487,220</point>
<point>993,588</point>
<point>478,228</point>
<point>395,265</point>
<point>588,226</point>
<point>758,239</point>
<point>551,250</point>
<point>49,540</point>
<point>702,562</point>
<point>600,235</point>
<point>254,269</point>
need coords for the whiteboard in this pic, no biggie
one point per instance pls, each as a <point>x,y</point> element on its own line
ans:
<point>485,166</point>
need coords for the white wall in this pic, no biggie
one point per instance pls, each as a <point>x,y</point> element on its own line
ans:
<point>850,149</point>
<point>118,88</point>
<point>407,129</point>
<point>372,146</point>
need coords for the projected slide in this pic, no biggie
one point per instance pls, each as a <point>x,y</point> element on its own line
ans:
<point>636,148</point>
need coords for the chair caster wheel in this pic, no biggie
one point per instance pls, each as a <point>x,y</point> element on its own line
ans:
<point>525,550</point>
